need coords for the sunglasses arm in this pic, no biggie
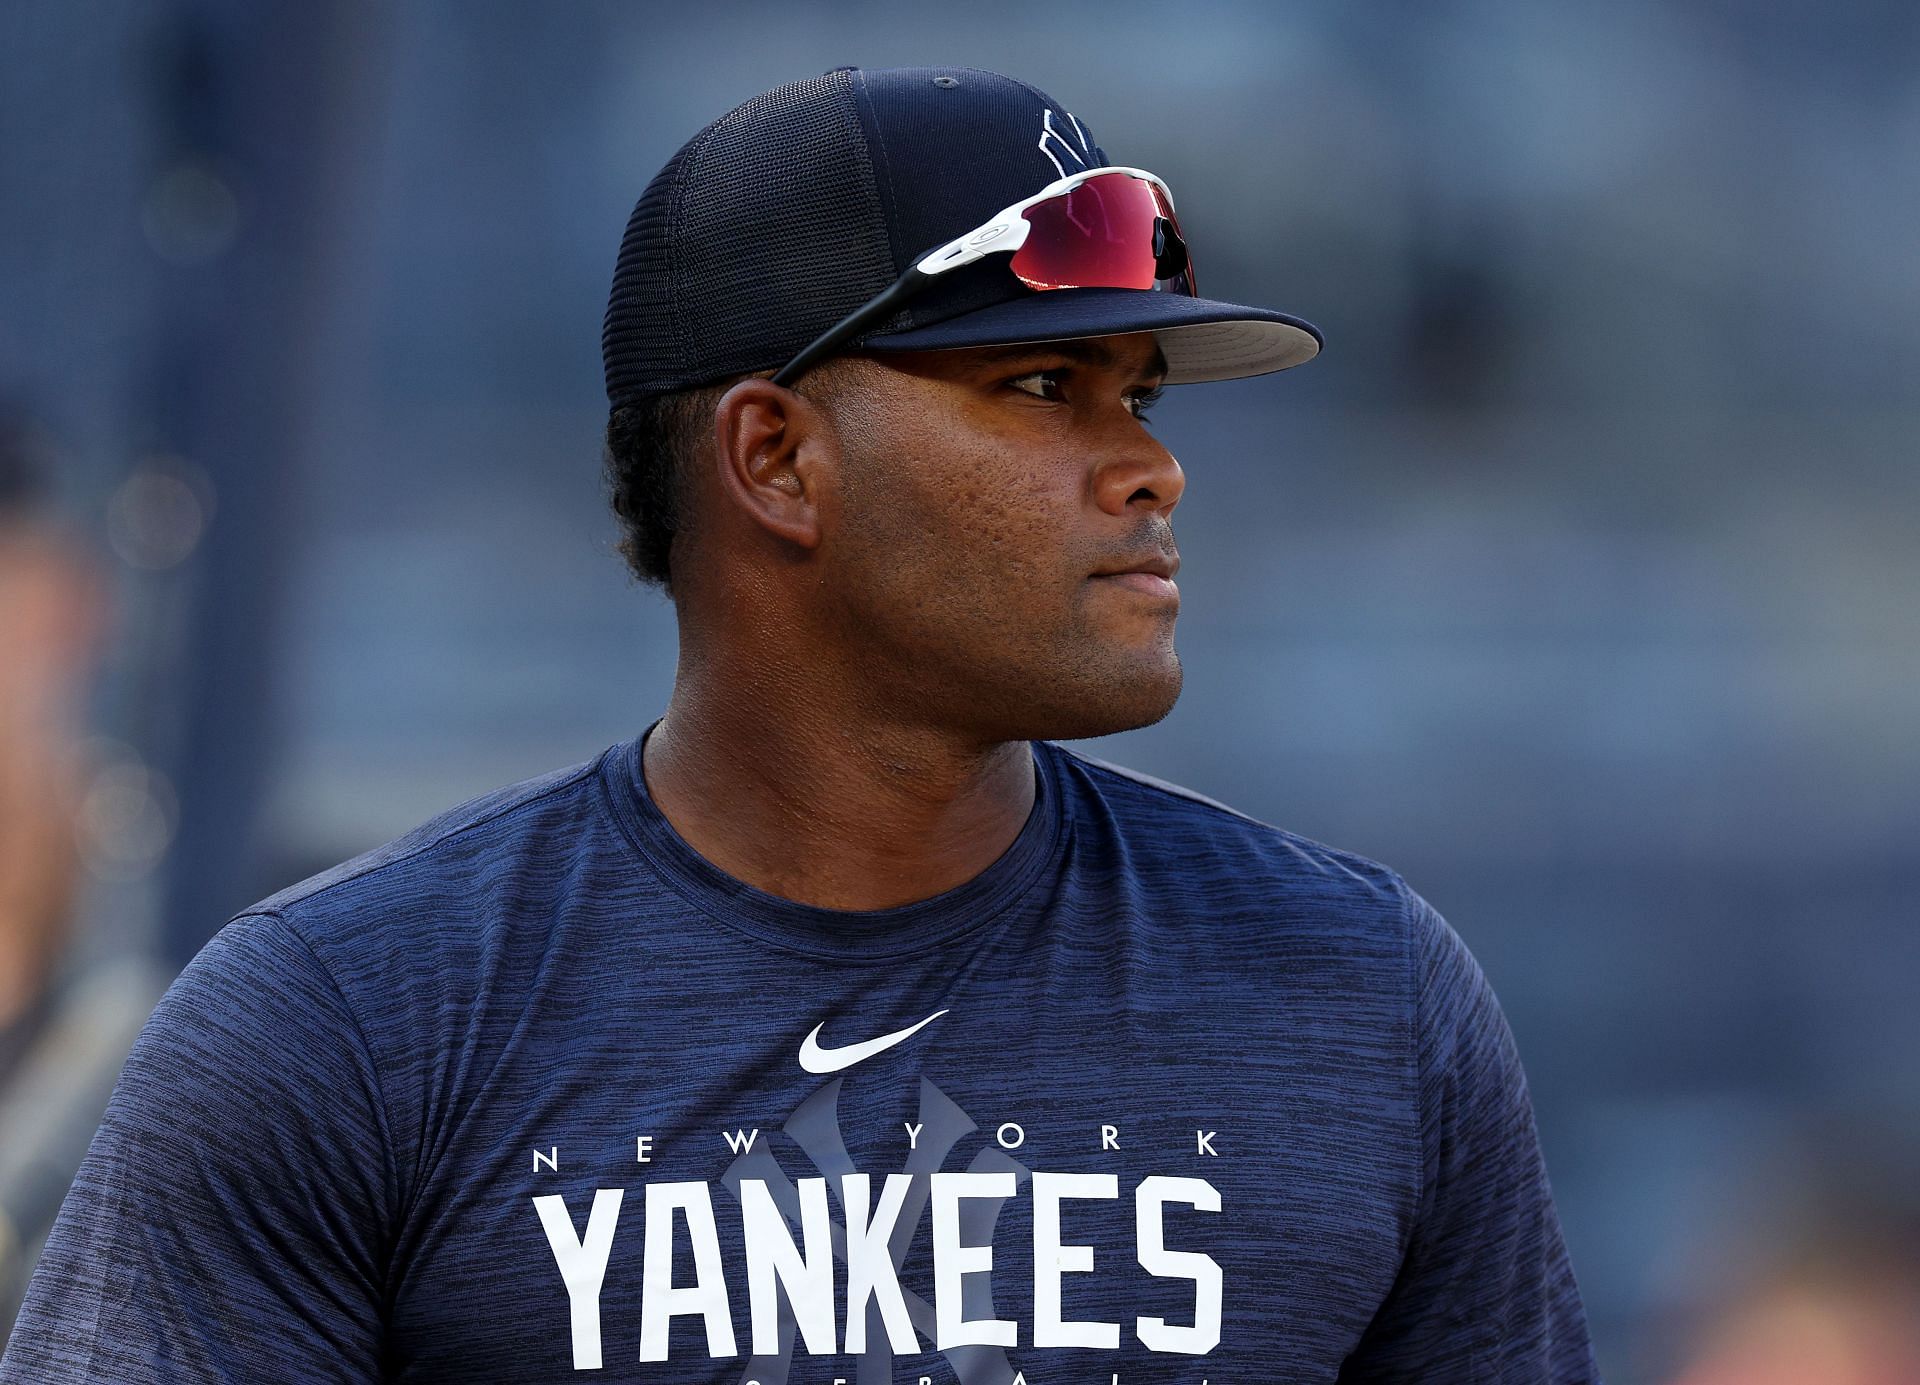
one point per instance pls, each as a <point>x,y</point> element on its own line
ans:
<point>1006,232</point>
<point>868,315</point>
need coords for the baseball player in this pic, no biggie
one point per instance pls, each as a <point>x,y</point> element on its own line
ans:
<point>841,1026</point>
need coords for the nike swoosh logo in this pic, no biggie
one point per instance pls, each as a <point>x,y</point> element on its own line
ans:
<point>823,1060</point>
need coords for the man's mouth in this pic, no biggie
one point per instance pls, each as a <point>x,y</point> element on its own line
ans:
<point>1151,583</point>
<point>1151,575</point>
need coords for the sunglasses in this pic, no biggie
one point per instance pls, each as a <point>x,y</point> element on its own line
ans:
<point>1104,228</point>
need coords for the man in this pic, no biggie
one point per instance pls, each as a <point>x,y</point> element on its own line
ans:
<point>841,1026</point>
<point>66,1019</point>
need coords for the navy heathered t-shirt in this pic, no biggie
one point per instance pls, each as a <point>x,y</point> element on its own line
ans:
<point>1165,1094</point>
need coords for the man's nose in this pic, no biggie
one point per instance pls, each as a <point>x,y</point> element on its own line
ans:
<point>1143,476</point>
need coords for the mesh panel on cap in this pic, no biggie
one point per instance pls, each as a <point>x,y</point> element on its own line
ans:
<point>724,268</point>
<point>639,338</point>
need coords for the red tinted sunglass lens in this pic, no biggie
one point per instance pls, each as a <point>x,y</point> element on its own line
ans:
<point>1098,236</point>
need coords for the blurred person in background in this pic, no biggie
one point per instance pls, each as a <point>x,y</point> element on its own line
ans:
<point>1818,1281</point>
<point>1842,1314</point>
<point>65,1025</point>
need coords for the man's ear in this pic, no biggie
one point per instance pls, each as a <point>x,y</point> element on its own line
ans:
<point>776,453</point>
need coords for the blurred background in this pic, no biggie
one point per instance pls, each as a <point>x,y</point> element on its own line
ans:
<point>1579,579</point>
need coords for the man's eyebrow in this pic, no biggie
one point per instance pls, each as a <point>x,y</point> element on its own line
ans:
<point>1087,350</point>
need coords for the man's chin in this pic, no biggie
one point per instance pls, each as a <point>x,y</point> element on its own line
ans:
<point>1124,702</point>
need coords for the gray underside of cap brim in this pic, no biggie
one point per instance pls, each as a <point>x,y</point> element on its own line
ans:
<point>1232,350</point>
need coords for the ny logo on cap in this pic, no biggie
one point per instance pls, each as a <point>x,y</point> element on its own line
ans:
<point>1066,146</point>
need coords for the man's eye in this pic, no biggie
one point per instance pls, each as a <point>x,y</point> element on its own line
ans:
<point>1144,400</point>
<point>1040,383</point>
<point>1048,384</point>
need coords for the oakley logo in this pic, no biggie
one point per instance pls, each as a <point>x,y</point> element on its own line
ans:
<point>1063,143</point>
<point>824,1060</point>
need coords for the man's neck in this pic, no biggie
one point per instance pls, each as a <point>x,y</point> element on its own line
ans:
<point>829,810</point>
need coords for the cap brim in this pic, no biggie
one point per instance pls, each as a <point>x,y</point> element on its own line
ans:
<point>1201,339</point>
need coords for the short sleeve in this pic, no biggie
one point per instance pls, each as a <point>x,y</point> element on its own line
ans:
<point>1486,1290</point>
<point>227,1221</point>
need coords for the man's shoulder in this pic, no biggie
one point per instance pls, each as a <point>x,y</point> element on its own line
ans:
<point>448,853</point>
<point>1186,829</point>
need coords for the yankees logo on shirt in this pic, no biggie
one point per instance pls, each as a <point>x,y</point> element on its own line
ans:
<point>881,1319</point>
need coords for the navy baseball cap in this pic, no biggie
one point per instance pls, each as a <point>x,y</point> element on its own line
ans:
<point>795,208</point>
